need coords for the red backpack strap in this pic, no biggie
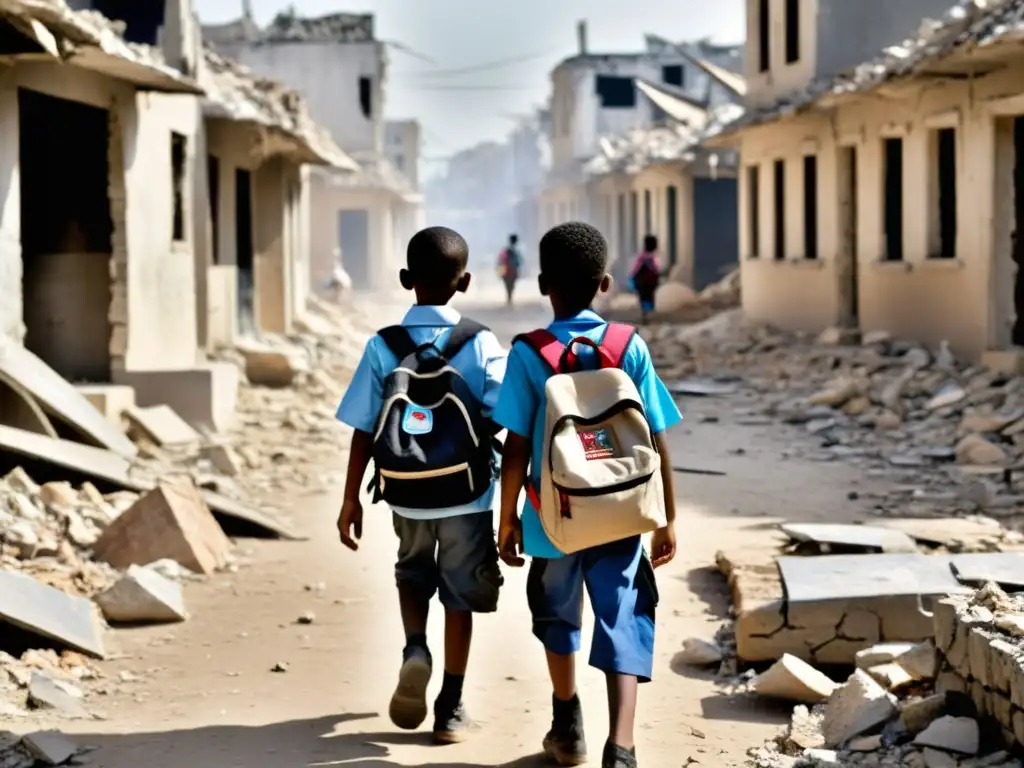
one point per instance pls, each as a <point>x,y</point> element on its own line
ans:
<point>544,343</point>
<point>616,340</point>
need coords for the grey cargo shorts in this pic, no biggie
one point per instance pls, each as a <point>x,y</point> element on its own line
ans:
<point>457,557</point>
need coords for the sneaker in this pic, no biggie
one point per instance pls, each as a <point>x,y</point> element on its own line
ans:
<point>408,707</point>
<point>618,757</point>
<point>452,725</point>
<point>565,743</point>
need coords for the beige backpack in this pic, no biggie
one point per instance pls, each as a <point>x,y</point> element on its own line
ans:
<point>601,471</point>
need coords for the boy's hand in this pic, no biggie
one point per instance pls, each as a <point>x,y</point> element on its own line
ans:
<point>351,517</point>
<point>663,545</point>
<point>510,542</point>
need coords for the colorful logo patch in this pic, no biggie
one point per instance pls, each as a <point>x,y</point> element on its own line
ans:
<point>417,420</point>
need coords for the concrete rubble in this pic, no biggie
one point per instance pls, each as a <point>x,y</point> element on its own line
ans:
<point>75,556</point>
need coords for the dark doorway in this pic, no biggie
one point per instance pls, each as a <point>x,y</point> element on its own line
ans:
<point>1018,230</point>
<point>354,239</point>
<point>893,199</point>
<point>848,272</point>
<point>213,190</point>
<point>65,234</point>
<point>810,207</point>
<point>715,239</point>
<point>244,251</point>
<point>780,209</point>
<point>672,224</point>
<point>945,146</point>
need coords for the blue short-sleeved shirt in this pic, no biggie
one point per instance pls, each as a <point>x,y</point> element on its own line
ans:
<point>521,405</point>
<point>481,363</point>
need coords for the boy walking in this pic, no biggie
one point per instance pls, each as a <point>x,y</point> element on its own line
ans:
<point>420,402</point>
<point>618,576</point>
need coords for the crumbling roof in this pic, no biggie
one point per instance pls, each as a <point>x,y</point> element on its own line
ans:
<point>90,40</point>
<point>674,102</point>
<point>334,27</point>
<point>640,148</point>
<point>233,92</point>
<point>375,171</point>
<point>968,24</point>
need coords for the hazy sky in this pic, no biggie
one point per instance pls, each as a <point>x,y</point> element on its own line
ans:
<point>458,110</point>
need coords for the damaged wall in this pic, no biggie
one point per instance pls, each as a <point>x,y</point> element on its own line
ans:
<point>914,296</point>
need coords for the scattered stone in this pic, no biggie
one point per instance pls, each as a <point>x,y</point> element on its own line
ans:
<point>951,734</point>
<point>269,367</point>
<point>917,714</point>
<point>977,451</point>
<point>865,743</point>
<point>883,653</point>
<point>805,728</point>
<point>44,692</point>
<point>920,661</point>
<point>307,618</point>
<point>933,758</point>
<point>281,666</point>
<point>162,425</point>
<point>794,680</point>
<point>700,653</point>
<point>223,459</point>
<point>142,596</point>
<point>856,707</point>
<point>50,747</point>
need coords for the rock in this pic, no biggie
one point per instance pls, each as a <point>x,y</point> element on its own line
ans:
<point>794,680</point>
<point>673,296</point>
<point>933,758</point>
<point>805,728</point>
<point>281,666</point>
<point>875,338</point>
<point>1011,623</point>
<point>917,714</point>
<point>858,406</point>
<point>162,425</point>
<point>307,618</point>
<point>18,480</point>
<point>49,747</point>
<point>917,358</point>
<point>268,367</point>
<point>58,495</point>
<point>23,536</point>
<point>883,653</point>
<point>865,743</point>
<point>837,393</point>
<point>887,420</point>
<point>950,394</point>
<point>141,596</point>
<point>892,676</point>
<point>836,336</point>
<point>222,458</point>
<point>920,661</point>
<point>857,706</point>
<point>822,756</point>
<point>171,521</point>
<point>46,693</point>
<point>976,450</point>
<point>951,734</point>
<point>700,653</point>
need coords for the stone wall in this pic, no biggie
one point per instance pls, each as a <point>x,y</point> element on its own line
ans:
<point>980,639</point>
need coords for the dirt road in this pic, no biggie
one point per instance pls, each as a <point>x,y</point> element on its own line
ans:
<point>206,695</point>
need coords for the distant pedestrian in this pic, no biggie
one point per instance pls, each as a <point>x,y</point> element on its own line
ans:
<point>510,262</point>
<point>339,282</point>
<point>645,276</point>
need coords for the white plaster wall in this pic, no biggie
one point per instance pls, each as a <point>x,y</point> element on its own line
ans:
<point>327,76</point>
<point>402,148</point>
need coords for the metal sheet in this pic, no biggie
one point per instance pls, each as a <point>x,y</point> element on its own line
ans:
<point>48,612</point>
<point>863,536</point>
<point>1004,568</point>
<point>109,467</point>
<point>848,577</point>
<point>60,399</point>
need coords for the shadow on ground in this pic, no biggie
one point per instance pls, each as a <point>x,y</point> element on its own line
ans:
<point>295,744</point>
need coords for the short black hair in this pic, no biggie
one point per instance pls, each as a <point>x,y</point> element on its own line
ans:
<point>436,257</point>
<point>650,243</point>
<point>574,261</point>
<point>513,238</point>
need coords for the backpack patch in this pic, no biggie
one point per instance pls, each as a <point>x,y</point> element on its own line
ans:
<point>417,420</point>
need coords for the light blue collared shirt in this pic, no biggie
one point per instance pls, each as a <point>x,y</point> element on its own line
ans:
<point>481,363</point>
<point>522,405</point>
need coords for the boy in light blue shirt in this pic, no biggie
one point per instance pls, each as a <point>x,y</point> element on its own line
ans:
<point>451,550</point>
<point>619,576</point>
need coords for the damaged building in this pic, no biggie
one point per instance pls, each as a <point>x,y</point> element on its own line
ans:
<point>625,130</point>
<point>339,67</point>
<point>878,184</point>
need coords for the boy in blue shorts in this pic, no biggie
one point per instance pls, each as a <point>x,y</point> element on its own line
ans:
<point>451,549</point>
<point>618,577</point>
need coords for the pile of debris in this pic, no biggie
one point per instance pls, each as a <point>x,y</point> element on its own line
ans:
<point>676,302</point>
<point>948,434</point>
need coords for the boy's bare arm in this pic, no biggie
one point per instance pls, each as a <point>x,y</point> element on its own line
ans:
<point>350,520</point>
<point>663,543</point>
<point>515,464</point>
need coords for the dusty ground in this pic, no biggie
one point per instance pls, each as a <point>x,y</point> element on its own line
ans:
<point>206,696</point>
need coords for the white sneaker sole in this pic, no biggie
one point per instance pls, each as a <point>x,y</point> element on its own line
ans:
<point>408,707</point>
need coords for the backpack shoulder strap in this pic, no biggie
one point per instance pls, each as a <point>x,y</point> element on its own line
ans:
<point>545,344</point>
<point>397,339</point>
<point>461,334</point>
<point>616,340</point>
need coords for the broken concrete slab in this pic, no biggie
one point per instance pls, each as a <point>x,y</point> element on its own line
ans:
<point>142,595</point>
<point>60,399</point>
<point>1003,568</point>
<point>793,679</point>
<point>951,734</point>
<point>920,661</point>
<point>699,653</point>
<point>50,747</point>
<point>112,400</point>
<point>110,468</point>
<point>865,537</point>
<point>891,676</point>
<point>171,521</point>
<point>847,577</point>
<point>883,653</point>
<point>917,714</point>
<point>46,693</point>
<point>223,459</point>
<point>42,610</point>
<point>162,425</point>
<point>856,707</point>
<point>273,367</point>
<point>946,532</point>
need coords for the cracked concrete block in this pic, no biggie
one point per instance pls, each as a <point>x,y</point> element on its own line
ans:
<point>142,596</point>
<point>920,661</point>
<point>856,707</point>
<point>951,734</point>
<point>1003,657</point>
<point>891,676</point>
<point>1001,709</point>
<point>945,621</point>
<point>882,653</point>
<point>980,697</point>
<point>979,655</point>
<point>949,681</point>
<point>917,714</point>
<point>793,679</point>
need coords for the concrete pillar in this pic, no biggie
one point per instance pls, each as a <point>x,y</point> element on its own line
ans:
<point>273,275</point>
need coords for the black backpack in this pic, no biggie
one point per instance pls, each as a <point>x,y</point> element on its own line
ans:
<point>433,447</point>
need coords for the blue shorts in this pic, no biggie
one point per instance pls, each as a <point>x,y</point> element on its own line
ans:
<point>620,581</point>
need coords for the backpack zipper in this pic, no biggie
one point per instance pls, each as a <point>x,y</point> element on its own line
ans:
<point>565,493</point>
